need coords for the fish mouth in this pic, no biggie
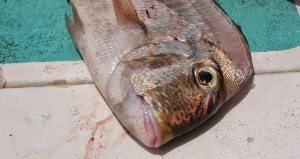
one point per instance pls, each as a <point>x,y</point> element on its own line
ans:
<point>151,126</point>
<point>134,111</point>
<point>137,116</point>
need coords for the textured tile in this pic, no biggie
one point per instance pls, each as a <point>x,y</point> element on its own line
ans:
<point>262,121</point>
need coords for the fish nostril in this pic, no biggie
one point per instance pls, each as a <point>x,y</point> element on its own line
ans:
<point>205,77</point>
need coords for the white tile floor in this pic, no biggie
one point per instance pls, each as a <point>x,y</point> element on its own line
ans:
<point>72,121</point>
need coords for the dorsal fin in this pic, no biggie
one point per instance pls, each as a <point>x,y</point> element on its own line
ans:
<point>126,14</point>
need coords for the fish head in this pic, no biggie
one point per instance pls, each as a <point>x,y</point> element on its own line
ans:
<point>159,91</point>
<point>160,76</point>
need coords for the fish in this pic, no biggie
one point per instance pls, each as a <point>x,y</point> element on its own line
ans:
<point>162,66</point>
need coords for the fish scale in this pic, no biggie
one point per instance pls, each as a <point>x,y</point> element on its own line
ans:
<point>163,67</point>
<point>190,14</point>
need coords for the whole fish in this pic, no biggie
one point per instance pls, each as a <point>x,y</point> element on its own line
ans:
<point>162,66</point>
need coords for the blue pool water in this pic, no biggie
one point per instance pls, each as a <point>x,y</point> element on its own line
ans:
<point>34,31</point>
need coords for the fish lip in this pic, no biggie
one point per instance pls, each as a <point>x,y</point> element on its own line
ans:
<point>143,124</point>
<point>150,123</point>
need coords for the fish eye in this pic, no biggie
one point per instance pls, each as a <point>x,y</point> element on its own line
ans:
<point>207,77</point>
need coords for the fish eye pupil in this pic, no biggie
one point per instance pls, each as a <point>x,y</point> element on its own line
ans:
<point>205,77</point>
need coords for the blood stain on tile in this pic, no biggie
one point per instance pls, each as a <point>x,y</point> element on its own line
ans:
<point>90,149</point>
<point>250,139</point>
<point>59,83</point>
<point>49,69</point>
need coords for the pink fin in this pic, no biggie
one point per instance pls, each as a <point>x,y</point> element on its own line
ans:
<point>126,14</point>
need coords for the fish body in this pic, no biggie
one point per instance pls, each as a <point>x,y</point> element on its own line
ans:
<point>163,67</point>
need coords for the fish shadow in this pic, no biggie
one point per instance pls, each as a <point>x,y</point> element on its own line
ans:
<point>207,125</point>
